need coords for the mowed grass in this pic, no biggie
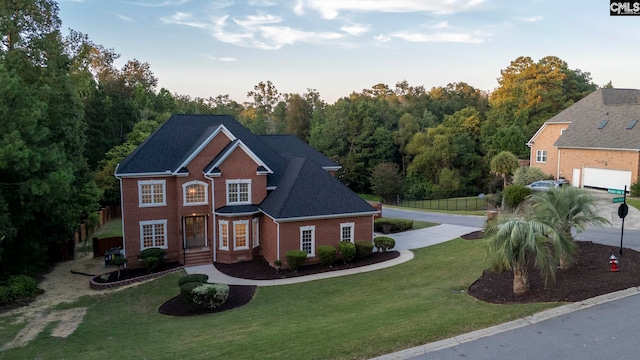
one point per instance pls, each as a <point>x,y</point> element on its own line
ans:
<point>109,229</point>
<point>351,317</point>
<point>635,202</point>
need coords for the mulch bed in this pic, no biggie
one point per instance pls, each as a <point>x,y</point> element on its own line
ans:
<point>259,269</point>
<point>238,296</point>
<point>128,273</point>
<point>587,277</point>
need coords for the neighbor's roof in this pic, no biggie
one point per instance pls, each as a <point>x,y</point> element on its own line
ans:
<point>307,190</point>
<point>620,107</point>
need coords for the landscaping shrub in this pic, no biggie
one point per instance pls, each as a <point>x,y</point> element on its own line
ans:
<point>151,263</point>
<point>363,249</point>
<point>635,189</point>
<point>389,225</point>
<point>295,258</point>
<point>525,175</point>
<point>152,257</point>
<point>196,278</point>
<point>18,287</point>
<point>348,251</point>
<point>514,195</point>
<point>327,255</point>
<point>204,296</point>
<point>384,243</point>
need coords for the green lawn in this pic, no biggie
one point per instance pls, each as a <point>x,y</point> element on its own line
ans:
<point>351,317</point>
<point>109,229</point>
<point>635,202</point>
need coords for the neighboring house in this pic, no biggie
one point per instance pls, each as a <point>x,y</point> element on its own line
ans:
<point>207,190</point>
<point>593,143</point>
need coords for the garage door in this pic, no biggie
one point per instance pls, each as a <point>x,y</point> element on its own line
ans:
<point>606,179</point>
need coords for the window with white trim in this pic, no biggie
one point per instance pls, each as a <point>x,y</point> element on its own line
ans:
<point>308,240</point>
<point>241,235</point>
<point>153,233</point>
<point>347,231</point>
<point>541,156</point>
<point>194,193</point>
<point>223,229</point>
<point>152,193</point>
<point>255,229</point>
<point>238,192</point>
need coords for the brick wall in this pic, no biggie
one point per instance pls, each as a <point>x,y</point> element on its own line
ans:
<point>544,141</point>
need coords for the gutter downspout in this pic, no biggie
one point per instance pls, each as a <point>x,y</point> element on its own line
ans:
<point>214,232</point>
<point>558,170</point>
<point>124,248</point>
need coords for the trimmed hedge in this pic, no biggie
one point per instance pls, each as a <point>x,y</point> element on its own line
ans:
<point>152,257</point>
<point>327,255</point>
<point>363,249</point>
<point>514,195</point>
<point>18,287</point>
<point>384,243</point>
<point>295,258</point>
<point>204,296</point>
<point>390,225</point>
<point>348,251</point>
<point>196,278</point>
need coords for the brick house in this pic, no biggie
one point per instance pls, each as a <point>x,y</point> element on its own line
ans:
<point>207,190</point>
<point>593,143</point>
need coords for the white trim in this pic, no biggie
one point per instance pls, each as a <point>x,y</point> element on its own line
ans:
<point>320,217</point>
<point>255,232</point>
<point>596,148</point>
<point>153,222</point>
<point>330,168</point>
<point>238,182</point>
<point>220,128</point>
<point>220,236</point>
<point>191,183</point>
<point>541,156</point>
<point>531,142</point>
<point>349,225</point>
<point>235,235</point>
<point>152,182</point>
<point>311,228</point>
<point>247,151</point>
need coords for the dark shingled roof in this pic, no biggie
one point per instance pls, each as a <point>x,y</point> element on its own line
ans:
<point>288,145</point>
<point>238,209</point>
<point>307,190</point>
<point>170,145</point>
<point>618,106</point>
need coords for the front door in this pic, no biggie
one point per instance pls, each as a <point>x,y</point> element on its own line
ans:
<point>194,231</point>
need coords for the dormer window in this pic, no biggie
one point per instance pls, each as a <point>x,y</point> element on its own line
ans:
<point>195,193</point>
<point>238,192</point>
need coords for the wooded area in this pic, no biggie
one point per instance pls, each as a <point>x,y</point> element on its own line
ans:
<point>69,115</point>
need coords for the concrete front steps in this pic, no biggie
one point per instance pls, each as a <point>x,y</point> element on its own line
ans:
<point>197,257</point>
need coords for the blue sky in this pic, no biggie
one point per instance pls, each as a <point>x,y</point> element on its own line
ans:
<point>207,48</point>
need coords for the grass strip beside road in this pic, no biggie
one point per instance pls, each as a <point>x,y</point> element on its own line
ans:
<point>351,317</point>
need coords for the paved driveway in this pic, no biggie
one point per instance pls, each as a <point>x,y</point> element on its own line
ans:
<point>415,239</point>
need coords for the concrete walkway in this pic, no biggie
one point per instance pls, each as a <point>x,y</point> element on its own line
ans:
<point>405,241</point>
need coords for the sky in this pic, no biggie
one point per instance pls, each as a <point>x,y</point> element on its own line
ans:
<point>206,48</point>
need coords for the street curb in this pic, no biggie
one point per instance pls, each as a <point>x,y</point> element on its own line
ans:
<point>511,325</point>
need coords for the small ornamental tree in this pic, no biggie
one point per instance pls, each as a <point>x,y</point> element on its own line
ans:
<point>119,261</point>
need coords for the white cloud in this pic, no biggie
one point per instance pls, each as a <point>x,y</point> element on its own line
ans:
<point>262,3</point>
<point>441,37</point>
<point>356,29</point>
<point>162,3</point>
<point>530,19</point>
<point>440,25</point>
<point>222,59</point>
<point>181,18</point>
<point>330,9</point>
<point>254,21</point>
<point>382,38</point>
<point>124,18</point>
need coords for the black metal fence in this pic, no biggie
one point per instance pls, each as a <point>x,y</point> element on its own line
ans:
<point>478,203</point>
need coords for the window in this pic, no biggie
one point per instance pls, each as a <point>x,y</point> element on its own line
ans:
<point>541,156</point>
<point>223,228</point>
<point>240,234</point>
<point>632,123</point>
<point>153,234</point>
<point>255,226</point>
<point>195,193</point>
<point>238,192</point>
<point>308,239</point>
<point>602,124</point>
<point>346,232</point>
<point>152,193</point>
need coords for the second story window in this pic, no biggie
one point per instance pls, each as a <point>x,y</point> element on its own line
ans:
<point>195,193</point>
<point>238,192</point>
<point>152,193</point>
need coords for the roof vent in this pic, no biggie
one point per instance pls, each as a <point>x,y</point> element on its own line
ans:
<point>602,124</point>
<point>632,123</point>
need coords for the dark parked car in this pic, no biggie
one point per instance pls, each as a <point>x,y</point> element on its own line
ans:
<point>545,185</point>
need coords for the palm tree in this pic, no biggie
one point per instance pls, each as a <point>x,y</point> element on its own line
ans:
<point>504,164</point>
<point>515,242</point>
<point>564,209</point>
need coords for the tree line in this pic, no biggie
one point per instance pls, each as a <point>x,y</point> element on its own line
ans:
<point>69,115</point>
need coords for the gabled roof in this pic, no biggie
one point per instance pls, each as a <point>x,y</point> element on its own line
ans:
<point>308,191</point>
<point>213,166</point>
<point>181,137</point>
<point>288,145</point>
<point>618,106</point>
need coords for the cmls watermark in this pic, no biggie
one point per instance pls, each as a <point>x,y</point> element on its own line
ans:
<point>617,8</point>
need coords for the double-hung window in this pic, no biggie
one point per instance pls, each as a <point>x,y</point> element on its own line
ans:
<point>308,240</point>
<point>541,156</point>
<point>238,192</point>
<point>153,233</point>
<point>195,193</point>
<point>346,232</point>
<point>152,193</point>
<point>241,234</point>
<point>223,230</point>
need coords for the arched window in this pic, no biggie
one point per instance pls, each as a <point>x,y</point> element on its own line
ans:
<point>195,193</point>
